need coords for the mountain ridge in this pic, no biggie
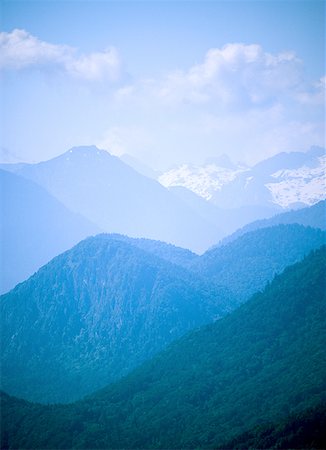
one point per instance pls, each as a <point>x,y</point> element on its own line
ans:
<point>247,263</point>
<point>97,311</point>
<point>285,180</point>
<point>35,227</point>
<point>313,216</point>
<point>246,367</point>
<point>118,199</point>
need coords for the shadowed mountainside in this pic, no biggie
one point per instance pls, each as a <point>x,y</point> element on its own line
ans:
<point>35,227</point>
<point>259,364</point>
<point>95,312</point>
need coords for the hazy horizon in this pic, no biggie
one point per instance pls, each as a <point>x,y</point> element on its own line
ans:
<point>165,82</point>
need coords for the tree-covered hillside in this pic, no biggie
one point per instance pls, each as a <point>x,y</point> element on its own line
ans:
<point>94,313</point>
<point>248,263</point>
<point>261,363</point>
<point>176,255</point>
<point>312,216</point>
<point>302,430</point>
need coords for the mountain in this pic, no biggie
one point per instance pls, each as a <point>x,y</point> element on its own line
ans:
<point>116,301</point>
<point>259,364</point>
<point>228,220</point>
<point>35,227</point>
<point>139,166</point>
<point>115,197</point>
<point>286,180</point>
<point>312,216</point>
<point>246,264</point>
<point>203,180</point>
<point>175,255</point>
<point>95,312</point>
<point>302,430</point>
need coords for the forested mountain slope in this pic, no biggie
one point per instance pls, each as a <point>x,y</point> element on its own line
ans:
<point>176,255</point>
<point>262,362</point>
<point>95,312</point>
<point>248,263</point>
<point>302,430</point>
<point>313,216</point>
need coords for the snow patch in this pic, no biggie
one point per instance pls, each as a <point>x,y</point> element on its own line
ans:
<point>306,185</point>
<point>203,181</point>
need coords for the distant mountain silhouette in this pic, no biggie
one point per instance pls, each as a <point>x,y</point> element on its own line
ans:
<point>283,179</point>
<point>312,216</point>
<point>35,227</point>
<point>227,219</point>
<point>139,166</point>
<point>118,199</point>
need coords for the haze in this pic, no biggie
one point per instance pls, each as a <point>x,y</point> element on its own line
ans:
<point>166,82</point>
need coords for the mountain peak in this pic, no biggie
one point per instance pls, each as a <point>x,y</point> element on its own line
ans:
<point>86,150</point>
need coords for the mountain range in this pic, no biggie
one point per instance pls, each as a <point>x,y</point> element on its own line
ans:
<point>287,180</point>
<point>258,365</point>
<point>100,309</point>
<point>313,216</point>
<point>100,192</point>
<point>34,228</point>
<point>116,198</point>
<point>257,256</point>
<point>94,313</point>
<point>170,319</point>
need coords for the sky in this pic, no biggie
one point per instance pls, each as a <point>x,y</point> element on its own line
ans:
<point>168,82</point>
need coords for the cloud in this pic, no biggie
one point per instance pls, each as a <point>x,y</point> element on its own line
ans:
<point>96,65</point>
<point>235,75</point>
<point>19,50</point>
<point>240,99</point>
<point>315,95</point>
<point>259,133</point>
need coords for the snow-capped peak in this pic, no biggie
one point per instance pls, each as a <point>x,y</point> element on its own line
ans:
<point>305,185</point>
<point>203,180</point>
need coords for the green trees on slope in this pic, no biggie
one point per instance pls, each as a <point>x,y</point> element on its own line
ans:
<point>302,430</point>
<point>93,314</point>
<point>261,363</point>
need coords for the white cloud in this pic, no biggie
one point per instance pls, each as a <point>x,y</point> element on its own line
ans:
<point>240,100</point>
<point>237,74</point>
<point>259,133</point>
<point>19,49</point>
<point>315,95</point>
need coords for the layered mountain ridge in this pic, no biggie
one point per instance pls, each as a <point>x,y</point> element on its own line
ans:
<point>286,180</point>
<point>189,356</point>
<point>100,309</point>
<point>94,313</point>
<point>115,197</point>
<point>313,216</point>
<point>35,227</point>
<point>105,194</point>
<point>262,362</point>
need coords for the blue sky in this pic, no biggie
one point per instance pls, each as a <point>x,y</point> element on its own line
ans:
<point>167,82</point>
